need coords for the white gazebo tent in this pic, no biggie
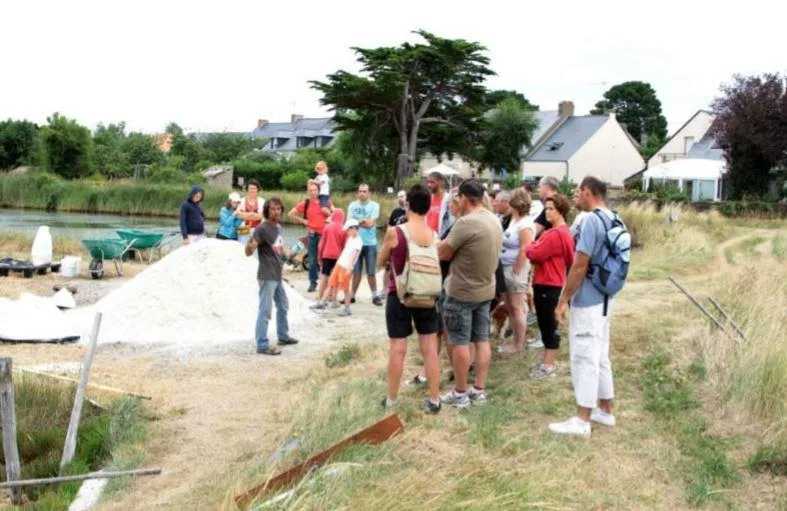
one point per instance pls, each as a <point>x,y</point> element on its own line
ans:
<point>445,170</point>
<point>699,178</point>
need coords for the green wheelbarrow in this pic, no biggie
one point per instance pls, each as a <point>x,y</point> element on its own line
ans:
<point>106,249</point>
<point>146,243</point>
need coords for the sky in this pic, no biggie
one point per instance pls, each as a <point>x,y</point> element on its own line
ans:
<point>220,66</point>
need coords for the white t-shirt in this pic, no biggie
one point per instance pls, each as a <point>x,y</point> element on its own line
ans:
<point>325,184</point>
<point>511,244</point>
<point>575,225</point>
<point>350,253</point>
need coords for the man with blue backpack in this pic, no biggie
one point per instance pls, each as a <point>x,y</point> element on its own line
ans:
<point>599,272</point>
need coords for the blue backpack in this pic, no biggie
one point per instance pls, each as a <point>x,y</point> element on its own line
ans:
<point>612,268</point>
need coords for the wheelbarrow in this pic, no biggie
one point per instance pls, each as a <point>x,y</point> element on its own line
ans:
<point>146,243</point>
<point>106,249</point>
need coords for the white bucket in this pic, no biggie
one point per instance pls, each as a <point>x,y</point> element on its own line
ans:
<point>70,266</point>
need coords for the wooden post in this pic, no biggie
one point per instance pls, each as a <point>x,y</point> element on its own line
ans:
<point>8,417</point>
<point>79,398</point>
<point>85,477</point>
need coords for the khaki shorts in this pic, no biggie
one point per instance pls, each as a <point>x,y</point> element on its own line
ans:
<point>515,283</point>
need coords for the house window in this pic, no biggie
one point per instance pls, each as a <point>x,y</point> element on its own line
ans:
<point>706,189</point>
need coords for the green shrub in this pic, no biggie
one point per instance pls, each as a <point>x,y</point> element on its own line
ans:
<point>202,165</point>
<point>412,181</point>
<point>165,175</point>
<point>295,180</point>
<point>267,172</point>
<point>346,354</point>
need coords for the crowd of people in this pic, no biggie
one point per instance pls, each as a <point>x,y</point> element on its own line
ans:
<point>454,258</point>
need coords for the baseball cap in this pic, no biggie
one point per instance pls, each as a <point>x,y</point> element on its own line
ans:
<point>349,224</point>
<point>234,197</point>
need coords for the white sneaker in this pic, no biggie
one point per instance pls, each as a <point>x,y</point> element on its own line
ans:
<point>573,426</point>
<point>535,344</point>
<point>543,371</point>
<point>602,417</point>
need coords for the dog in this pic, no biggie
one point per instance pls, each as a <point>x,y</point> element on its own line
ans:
<point>500,321</point>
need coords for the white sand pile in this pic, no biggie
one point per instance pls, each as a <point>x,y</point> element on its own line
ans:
<point>34,318</point>
<point>205,293</point>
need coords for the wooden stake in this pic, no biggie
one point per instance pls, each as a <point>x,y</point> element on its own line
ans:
<point>83,477</point>
<point>8,417</point>
<point>374,434</point>
<point>727,317</point>
<point>79,398</point>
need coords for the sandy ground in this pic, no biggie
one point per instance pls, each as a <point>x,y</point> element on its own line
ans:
<point>217,410</point>
<point>214,407</point>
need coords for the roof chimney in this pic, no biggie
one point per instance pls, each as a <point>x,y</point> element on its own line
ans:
<point>261,123</point>
<point>565,109</point>
<point>295,118</point>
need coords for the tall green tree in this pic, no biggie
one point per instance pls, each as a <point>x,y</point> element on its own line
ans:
<point>495,97</point>
<point>68,147</point>
<point>751,127</point>
<point>637,106</point>
<point>109,157</point>
<point>508,130</point>
<point>225,147</point>
<point>432,94</point>
<point>19,143</point>
<point>141,149</point>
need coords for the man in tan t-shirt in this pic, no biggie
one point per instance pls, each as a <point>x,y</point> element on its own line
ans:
<point>473,247</point>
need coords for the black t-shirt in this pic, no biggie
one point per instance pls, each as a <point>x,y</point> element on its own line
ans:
<point>398,217</point>
<point>267,236</point>
<point>541,220</point>
<point>505,221</point>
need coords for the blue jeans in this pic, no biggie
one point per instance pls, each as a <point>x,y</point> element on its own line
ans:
<point>314,268</point>
<point>271,291</point>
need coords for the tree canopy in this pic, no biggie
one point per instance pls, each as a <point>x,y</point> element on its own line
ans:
<point>751,127</point>
<point>495,97</point>
<point>428,94</point>
<point>19,143</point>
<point>637,106</point>
<point>508,129</point>
<point>68,146</point>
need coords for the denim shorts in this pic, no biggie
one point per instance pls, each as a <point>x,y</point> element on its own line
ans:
<point>466,322</point>
<point>369,256</point>
<point>325,200</point>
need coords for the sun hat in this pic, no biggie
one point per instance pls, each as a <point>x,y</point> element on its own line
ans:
<point>234,197</point>
<point>349,224</point>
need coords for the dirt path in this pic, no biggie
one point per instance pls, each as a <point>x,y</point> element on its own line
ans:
<point>217,410</point>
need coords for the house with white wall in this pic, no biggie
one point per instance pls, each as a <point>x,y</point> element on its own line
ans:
<point>678,146</point>
<point>572,146</point>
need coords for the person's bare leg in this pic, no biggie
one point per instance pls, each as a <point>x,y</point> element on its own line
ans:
<point>372,279</point>
<point>483,354</point>
<point>584,413</point>
<point>323,284</point>
<point>605,405</point>
<point>518,319</point>
<point>396,352</point>
<point>461,362</point>
<point>431,364</point>
<point>356,283</point>
<point>472,355</point>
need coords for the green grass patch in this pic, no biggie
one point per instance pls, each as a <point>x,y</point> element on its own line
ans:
<point>669,396</point>
<point>43,410</point>
<point>343,356</point>
<point>779,247</point>
<point>770,459</point>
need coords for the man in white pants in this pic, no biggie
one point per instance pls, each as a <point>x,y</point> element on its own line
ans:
<point>591,369</point>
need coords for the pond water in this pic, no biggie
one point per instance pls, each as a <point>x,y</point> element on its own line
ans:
<point>83,225</point>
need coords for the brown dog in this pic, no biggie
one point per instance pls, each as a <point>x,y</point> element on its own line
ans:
<point>499,320</point>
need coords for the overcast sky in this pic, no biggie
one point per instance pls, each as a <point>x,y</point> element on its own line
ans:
<point>221,65</point>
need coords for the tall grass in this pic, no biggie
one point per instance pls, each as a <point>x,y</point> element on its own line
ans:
<point>43,409</point>
<point>40,190</point>
<point>752,374</point>
<point>672,240</point>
